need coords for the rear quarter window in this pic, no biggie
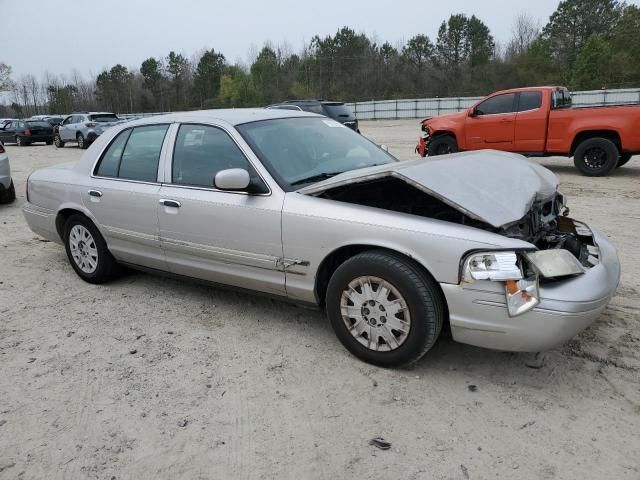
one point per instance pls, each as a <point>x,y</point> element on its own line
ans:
<point>529,101</point>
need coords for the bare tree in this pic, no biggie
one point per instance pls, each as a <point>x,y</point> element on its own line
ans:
<point>524,31</point>
<point>5,77</point>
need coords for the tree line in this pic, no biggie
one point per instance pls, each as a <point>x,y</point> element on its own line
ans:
<point>586,44</point>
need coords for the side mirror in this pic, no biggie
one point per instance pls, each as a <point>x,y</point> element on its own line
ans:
<point>384,147</point>
<point>232,179</point>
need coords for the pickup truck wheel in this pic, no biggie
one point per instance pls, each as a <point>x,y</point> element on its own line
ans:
<point>87,251</point>
<point>442,145</point>
<point>57,141</point>
<point>82,143</point>
<point>596,157</point>
<point>624,158</point>
<point>384,308</point>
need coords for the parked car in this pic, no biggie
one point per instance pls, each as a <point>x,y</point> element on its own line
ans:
<point>336,110</point>
<point>26,132</point>
<point>7,189</point>
<point>83,128</point>
<point>297,206</point>
<point>4,121</point>
<point>538,122</point>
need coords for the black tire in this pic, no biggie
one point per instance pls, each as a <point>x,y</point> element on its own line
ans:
<point>107,268</point>
<point>8,195</point>
<point>49,142</point>
<point>420,292</point>
<point>596,157</point>
<point>442,145</point>
<point>57,141</point>
<point>624,158</point>
<point>20,141</point>
<point>82,142</point>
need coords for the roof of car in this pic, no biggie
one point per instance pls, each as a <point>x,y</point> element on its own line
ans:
<point>235,116</point>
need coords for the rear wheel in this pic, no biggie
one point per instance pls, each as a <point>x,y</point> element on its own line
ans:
<point>57,141</point>
<point>624,158</point>
<point>8,195</point>
<point>49,142</point>
<point>20,141</point>
<point>82,143</point>
<point>384,308</point>
<point>596,157</point>
<point>442,145</point>
<point>87,251</point>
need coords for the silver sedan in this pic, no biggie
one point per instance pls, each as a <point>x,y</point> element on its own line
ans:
<point>297,206</point>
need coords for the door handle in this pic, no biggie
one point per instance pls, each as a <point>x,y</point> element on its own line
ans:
<point>95,193</point>
<point>170,203</point>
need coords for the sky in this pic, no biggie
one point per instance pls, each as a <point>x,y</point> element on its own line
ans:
<point>89,35</point>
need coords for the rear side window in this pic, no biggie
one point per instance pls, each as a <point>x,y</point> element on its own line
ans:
<point>202,151</point>
<point>134,154</point>
<point>498,104</point>
<point>529,101</point>
<point>313,108</point>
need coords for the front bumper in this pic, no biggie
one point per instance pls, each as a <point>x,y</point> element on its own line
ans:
<point>478,311</point>
<point>423,144</point>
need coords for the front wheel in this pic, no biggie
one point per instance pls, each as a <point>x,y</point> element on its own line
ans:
<point>20,141</point>
<point>384,308</point>
<point>87,251</point>
<point>57,141</point>
<point>596,157</point>
<point>442,145</point>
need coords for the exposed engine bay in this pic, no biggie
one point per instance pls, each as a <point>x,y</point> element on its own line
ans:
<point>544,225</point>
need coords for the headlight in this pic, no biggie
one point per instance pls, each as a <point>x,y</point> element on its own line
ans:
<point>554,263</point>
<point>493,266</point>
<point>522,294</point>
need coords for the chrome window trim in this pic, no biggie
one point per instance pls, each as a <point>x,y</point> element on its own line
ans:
<point>110,141</point>
<point>169,163</point>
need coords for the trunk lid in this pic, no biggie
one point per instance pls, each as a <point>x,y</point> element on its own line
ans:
<point>495,187</point>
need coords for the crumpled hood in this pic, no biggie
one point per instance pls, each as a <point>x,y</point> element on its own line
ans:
<point>445,117</point>
<point>495,187</point>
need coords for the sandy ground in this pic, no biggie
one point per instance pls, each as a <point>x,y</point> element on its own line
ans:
<point>150,378</point>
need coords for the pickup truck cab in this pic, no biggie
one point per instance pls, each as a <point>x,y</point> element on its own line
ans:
<point>539,121</point>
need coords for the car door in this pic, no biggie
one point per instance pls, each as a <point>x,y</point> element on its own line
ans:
<point>8,134</point>
<point>123,195</point>
<point>227,237</point>
<point>531,123</point>
<point>492,123</point>
<point>64,129</point>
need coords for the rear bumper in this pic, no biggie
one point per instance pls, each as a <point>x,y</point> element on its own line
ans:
<point>478,312</point>
<point>38,138</point>
<point>41,221</point>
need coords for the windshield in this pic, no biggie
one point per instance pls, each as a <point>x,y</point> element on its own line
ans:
<point>104,117</point>
<point>301,151</point>
<point>38,123</point>
<point>338,110</point>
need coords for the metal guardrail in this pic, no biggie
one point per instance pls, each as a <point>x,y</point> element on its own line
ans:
<point>425,107</point>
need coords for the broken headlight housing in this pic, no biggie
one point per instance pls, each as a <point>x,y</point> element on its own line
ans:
<point>521,291</point>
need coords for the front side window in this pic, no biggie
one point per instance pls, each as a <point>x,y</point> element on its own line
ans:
<point>67,120</point>
<point>134,154</point>
<point>529,101</point>
<point>202,151</point>
<point>498,104</point>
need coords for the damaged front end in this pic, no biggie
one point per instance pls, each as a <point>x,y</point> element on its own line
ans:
<point>527,208</point>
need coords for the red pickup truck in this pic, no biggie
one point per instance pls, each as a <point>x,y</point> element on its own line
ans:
<point>539,122</point>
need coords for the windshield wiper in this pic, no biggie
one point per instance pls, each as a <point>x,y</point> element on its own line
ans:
<point>316,178</point>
